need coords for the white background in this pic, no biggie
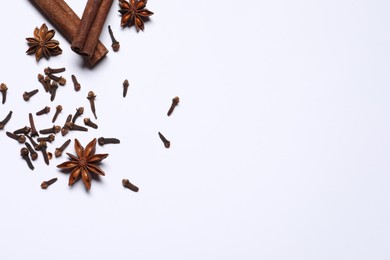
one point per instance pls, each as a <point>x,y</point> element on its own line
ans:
<point>279,148</point>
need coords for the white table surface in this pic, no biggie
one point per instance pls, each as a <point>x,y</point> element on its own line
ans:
<point>280,146</point>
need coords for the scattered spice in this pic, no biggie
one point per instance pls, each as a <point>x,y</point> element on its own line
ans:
<point>91,97</point>
<point>59,150</point>
<point>42,146</point>
<point>127,184</point>
<point>53,90</point>
<point>46,184</point>
<point>134,12</point>
<point>41,79</point>
<point>89,123</point>
<point>115,44</point>
<point>175,102</point>
<point>65,128</point>
<point>33,153</point>
<point>33,131</point>
<point>49,70</point>
<point>79,112</point>
<point>20,138</point>
<point>85,164</point>
<point>167,143</point>
<point>5,120</point>
<point>52,130</point>
<point>103,141</point>
<point>24,130</point>
<point>24,153</point>
<point>76,84</point>
<point>49,138</point>
<point>125,87</point>
<point>3,90</point>
<point>43,44</point>
<point>58,111</point>
<point>73,127</point>
<point>60,80</point>
<point>28,95</point>
<point>44,110</point>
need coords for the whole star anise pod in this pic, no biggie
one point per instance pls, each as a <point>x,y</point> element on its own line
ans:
<point>42,43</point>
<point>84,164</point>
<point>134,12</point>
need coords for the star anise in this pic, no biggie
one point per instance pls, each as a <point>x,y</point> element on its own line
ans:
<point>84,164</point>
<point>42,43</point>
<point>134,12</point>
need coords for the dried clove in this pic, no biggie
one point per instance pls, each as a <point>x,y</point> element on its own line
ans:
<point>25,130</point>
<point>49,70</point>
<point>73,126</point>
<point>115,44</point>
<point>33,131</point>
<point>33,153</point>
<point>103,141</point>
<point>65,128</point>
<point>167,143</point>
<point>175,101</point>
<point>28,95</point>
<point>45,85</point>
<point>125,87</point>
<point>53,90</point>
<point>32,141</point>
<point>3,90</point>
<point>91,97</point>
<point>5,120</point>
<point>126,183</point>
<point>24,153</point>
<point>89,123</point>
<point>76,84</point>
<point>60,80</point>
<point>46,184</point>
<point>45,110</point>
<point>48,83</point>
<point>79,112</point>
<point>20,138</point>
<point>58,151</point>
<point>58,111</point>
<point>52,130</point>
<point>49,138</point>
<point>42,146</point>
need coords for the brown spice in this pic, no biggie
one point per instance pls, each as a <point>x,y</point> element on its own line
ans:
<point>134,12</point>
<point>3,90</point>
<point>67,23</point>
<point>91,25</point>
<point>84,164</point>
<point>46,184</point>
<point>42,44</point>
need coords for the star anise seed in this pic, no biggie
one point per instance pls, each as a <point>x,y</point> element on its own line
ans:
<point>134,12</point>
<point>43,44</point>
<point>84,164</point>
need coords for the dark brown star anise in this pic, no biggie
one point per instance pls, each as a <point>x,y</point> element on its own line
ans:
<point>42,43</point>
<point>134,12</point>
<point>84,164</point>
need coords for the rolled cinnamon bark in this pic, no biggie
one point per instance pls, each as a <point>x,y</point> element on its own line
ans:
<point>88,18</point>
<point>96,28</point>
<point>67,23</point>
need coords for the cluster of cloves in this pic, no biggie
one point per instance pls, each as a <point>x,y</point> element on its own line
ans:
<point>50,82</point>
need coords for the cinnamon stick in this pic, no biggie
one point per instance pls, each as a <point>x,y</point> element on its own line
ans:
<point>96,28</point>
<point>67,23</point>
<point>89,14</point>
